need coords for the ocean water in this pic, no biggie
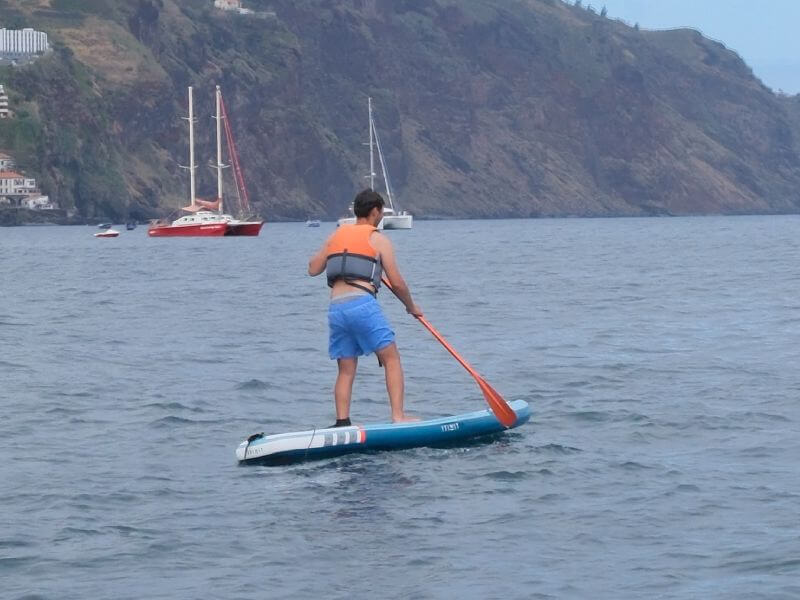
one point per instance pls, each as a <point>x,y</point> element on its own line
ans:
<point>661,359</point>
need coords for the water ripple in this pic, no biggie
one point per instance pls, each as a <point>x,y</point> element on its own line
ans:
<point>660,461</point>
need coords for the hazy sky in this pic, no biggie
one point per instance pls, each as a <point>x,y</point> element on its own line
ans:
<point>765,33</point>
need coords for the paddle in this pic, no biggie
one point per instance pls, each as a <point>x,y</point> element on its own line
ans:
<point>496,402</point>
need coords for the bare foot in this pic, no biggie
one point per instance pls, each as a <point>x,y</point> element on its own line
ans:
<point>405,419</point>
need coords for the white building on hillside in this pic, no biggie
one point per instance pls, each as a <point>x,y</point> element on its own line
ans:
<point>7,162</point>
<point>235,5</point>
<point>18,190</point>
<point>228,4</point>
<point>14,184</point>
<point>37,202</point>
<point>16,42</point>
<point>3,106</point>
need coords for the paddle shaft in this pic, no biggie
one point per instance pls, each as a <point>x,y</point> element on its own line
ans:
<point>504,413</point>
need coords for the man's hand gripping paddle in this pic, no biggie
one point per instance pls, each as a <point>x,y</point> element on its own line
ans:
<point>496,402</point>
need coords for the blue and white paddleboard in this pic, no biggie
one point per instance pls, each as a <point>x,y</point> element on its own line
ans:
<point>284,448</point>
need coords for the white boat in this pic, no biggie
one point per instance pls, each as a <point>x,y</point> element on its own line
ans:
<point>392,217</point>
<point>312,223</point>
<point>351,219</point>
<point>397,220</point>
<point>108,233</point>
<point>347,221</point>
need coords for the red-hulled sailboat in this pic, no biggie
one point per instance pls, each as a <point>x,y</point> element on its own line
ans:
<point>206,217</point>
<point>246,224</point>
<point>199,223</point>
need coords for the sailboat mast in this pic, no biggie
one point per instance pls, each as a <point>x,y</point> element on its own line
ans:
<point>371,153</point>
<point>383,164</point>
<point>191,149</point>
<point>219,152</point>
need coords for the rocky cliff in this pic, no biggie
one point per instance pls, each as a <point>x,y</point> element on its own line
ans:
<point>486,108</point>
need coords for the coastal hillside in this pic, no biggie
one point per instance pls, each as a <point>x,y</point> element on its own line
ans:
<point>486,108</point>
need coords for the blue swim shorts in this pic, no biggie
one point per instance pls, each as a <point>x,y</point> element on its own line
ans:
<point>357,327</point>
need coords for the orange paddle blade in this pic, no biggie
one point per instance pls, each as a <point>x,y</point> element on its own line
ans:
<point>504,413</point>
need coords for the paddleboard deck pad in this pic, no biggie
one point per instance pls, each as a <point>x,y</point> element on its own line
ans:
<point>285,448</point>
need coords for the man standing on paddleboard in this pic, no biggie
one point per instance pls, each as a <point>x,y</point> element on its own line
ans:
<point>354,257</point>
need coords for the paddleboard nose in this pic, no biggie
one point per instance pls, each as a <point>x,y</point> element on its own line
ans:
<point>241,450</point>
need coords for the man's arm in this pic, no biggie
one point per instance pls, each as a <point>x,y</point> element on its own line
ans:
<point>316,264</point>
<point>382,244</point>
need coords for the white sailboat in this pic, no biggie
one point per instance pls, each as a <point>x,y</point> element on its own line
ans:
<point>392,218</point>
<point>351,219</point>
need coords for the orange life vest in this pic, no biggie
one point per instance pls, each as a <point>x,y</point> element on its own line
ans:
<point>352,258</point>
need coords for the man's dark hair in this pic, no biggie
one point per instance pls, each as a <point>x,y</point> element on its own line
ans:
<point>365,201</point>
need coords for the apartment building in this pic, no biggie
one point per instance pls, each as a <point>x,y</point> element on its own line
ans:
<point>4,114</point>
<point>14,184</point>
<point>20,42</point>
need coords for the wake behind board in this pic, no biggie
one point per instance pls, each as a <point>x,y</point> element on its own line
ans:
<point>285,448</point>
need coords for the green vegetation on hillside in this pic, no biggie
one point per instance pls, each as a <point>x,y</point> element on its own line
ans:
<point>486,108</point>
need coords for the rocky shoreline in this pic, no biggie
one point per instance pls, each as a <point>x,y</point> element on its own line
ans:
<point>10,217</point>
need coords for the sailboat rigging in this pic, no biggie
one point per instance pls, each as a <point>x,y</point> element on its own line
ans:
<point>206,217</point>
<point>392,219</point>
<point>245,224</point>
<point>199,222</point>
